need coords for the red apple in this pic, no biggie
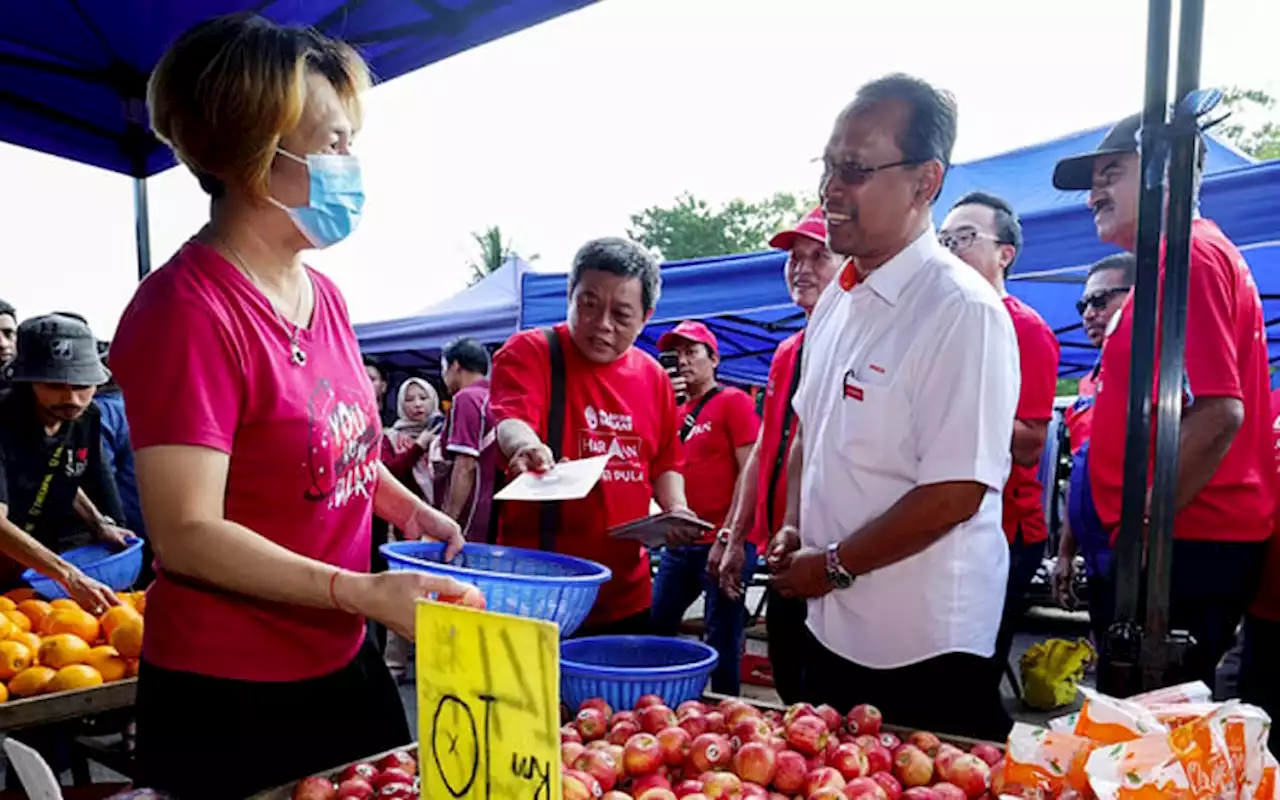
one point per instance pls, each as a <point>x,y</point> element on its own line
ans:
<point>569,752</point>
<point>864,789</point>
<point>642,754</point>
<point>890,741</point>
<point>739,713</point>
<point>912,766</point>
<point>866,741</point>
<point>879,759</point>
<point>807,735</point>
<point>392,775</point>
<point>926,741</point>
<point>355,788</point>
<point>969,774</point>
<point>656,718</point>
<point>791,772</point>
<point>579,786</point>
<point>823,778</point>
<point>616,752</point>
<point>849,760</point>
<point>363,770</point>
<point>687,787</point>
<point>598,703</point>
<point>890,784</point>
<point>988,753</point>
<point>722,786</point>
<point>622,731</point>
<point>710,751</point>
<point>830,716</point>
<point>656,793</point>
<point>756,762</point>
<point>694,796</point>
<point>649,700</point>
<point>398,791</point>
<point>399,759</point>
<point>696,724</point>
<point>315,788</point>
<point>600,744</point>
<point>948,791</point>
<point>918,793</point>
<point>754,791</point>
<point>717,722</point>
<point>943,760</point>
<point>568,733</point>
<point>616,795</point>
<point>748,729</point>
<point>691,705</point>
<point>863,719</point>
<point>826,793</point>
<point>592,724</point>
<point>777,743</point>
<point>599,765</point>
<point>676,744</point>
<point>650,783</point>
<point>626,715</point>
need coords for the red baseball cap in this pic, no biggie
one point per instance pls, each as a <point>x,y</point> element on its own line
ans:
<point>690,331</point>
<point>813,226</point>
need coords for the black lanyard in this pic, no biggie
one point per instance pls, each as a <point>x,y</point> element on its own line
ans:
<point>691,419</point>
<point>42,493</point>
<point>788,416</point>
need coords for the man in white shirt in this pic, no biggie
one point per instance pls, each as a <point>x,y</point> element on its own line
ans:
<point>906,405</point>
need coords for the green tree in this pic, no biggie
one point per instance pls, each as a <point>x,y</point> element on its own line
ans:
<point>692,228</point>
<point>1261,139</point>
<point>494,251</point>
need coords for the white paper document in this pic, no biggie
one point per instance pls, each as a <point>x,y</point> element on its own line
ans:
<point>568,480</point>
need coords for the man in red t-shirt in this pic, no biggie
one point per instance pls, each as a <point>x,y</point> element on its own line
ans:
<point>984,231</point>
<point>761,497</point>
<point>1260,662</point>
<point>718,427</point>
<point>1225,461</point>
<point>617,401</point>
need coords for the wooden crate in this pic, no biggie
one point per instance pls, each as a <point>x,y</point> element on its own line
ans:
<point>286,792</point>
<point>65,706</point>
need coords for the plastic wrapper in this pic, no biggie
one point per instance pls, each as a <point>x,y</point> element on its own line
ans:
<point>1193,692</point>
<point>1066,723</point>
<point>1107,720</point>
<point>1041,762</point>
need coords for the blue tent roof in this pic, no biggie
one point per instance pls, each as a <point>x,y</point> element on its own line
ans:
<point>486,311</point>
<point>73,74</point>
<point>744,300</point>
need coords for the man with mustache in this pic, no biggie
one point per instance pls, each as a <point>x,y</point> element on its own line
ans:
<point>906,405</point>
<point>50,450</point>
<point>8,340</point>
<point>1225,460</point>
<point>761,496</point>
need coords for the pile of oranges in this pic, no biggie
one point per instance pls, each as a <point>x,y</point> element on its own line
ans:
<point>57,646</point>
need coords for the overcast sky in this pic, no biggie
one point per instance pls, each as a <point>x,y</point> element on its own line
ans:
<point>559,133</point>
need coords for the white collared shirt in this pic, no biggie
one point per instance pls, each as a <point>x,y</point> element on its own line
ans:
<point>910,378</point>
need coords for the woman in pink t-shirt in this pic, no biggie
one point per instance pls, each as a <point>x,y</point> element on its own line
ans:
<point>257,433</point>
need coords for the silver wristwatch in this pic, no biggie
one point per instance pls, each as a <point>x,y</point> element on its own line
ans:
<point>839,577</point>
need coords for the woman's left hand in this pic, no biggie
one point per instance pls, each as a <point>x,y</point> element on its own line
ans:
<point>428,523</point>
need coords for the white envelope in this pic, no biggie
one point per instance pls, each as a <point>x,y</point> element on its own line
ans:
<point>568,480</point>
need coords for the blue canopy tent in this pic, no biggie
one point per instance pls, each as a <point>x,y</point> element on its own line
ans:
<point>73,75</point>
<point>486,311</point>
<point>744,301</point>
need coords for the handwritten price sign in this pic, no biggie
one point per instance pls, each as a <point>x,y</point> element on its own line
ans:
<point>488,705</point>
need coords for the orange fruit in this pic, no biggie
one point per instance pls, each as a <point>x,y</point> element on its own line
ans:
<point>116,615</point>
<point>127,638</point>
<point>18,595</point>
<point>77,621</point>
<point>65,602</point>
<point>106,660</point>
<point>139,601</point>
<point>18,618</point>
<point>76,676</point>
<point>4,693</point>
<point>31,640</point>
<point>7,628</point>
<point>63,650</point>
<point>14,658</point>
<point>31,681</point>
<point>132,667</point>
<point>6,603</point>
<point>36,611</point>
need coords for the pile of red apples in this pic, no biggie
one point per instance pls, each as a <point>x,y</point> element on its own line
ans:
<point>738,752</point>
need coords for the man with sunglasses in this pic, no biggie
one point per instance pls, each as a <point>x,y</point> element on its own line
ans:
<point>1223,495</point>
<point>985,233</point>
<point>905,408</point>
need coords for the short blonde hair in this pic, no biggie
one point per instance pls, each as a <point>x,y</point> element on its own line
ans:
<point>229,88</point>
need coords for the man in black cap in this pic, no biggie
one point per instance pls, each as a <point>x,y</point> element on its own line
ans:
<point>8,340</point>
<point>50,450</point>
<point>1225,454</point>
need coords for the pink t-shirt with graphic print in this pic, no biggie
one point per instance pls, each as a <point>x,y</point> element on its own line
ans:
<point>204,360</point>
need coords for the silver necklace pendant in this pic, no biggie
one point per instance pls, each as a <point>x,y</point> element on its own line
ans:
<point>297,355</point>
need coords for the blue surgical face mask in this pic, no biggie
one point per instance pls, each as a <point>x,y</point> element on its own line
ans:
<point>336,198</point>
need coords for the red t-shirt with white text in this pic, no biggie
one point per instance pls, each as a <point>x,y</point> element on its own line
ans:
<point>728,421</point>
<point>772,470</point>
<point>204,361</point>
<point>1226,356</point>
<point>1038,362</point>
<point>626,409</point>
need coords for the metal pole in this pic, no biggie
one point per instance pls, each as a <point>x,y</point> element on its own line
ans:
<point>1162,656</point>
<point>141,226</point>
<point>1122,648</point>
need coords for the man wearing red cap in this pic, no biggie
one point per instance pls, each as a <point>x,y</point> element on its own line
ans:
<point>718,427</point>
<point>761,498</point>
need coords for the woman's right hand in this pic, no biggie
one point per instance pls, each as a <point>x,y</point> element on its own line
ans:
<point>1062,581</point>
<point>92,596</point>
<point>424,440</point>
<point>392,597</point>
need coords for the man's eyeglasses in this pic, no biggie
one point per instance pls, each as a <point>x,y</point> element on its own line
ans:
<point>964,238</point>
<point>1099,299</point>
<point>851,173</point>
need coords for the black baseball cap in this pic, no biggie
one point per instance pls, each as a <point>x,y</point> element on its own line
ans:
<point>1076,173</point>
<point>57,348</point>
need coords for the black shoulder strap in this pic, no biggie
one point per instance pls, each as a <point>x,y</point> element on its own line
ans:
<point>691,418</point>
<point>549,513</point>
<point>788,416</point>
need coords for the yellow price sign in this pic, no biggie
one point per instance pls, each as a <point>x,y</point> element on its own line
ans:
<point>488,705</point>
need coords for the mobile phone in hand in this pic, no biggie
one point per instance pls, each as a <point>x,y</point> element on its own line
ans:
<point>670,361</point>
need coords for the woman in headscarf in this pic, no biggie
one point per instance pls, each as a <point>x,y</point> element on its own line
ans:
<point>406,448</point>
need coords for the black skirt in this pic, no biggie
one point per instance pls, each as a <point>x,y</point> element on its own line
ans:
<point>201,737</point>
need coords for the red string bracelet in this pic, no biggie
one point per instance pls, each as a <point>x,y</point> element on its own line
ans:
<point>333,596</point>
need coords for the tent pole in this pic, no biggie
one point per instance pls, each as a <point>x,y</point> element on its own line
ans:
<point>141,226</point>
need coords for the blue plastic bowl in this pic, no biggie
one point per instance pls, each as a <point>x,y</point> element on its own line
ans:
<point>527,583</point>
<point>622,669</point>
<point>118,569</point>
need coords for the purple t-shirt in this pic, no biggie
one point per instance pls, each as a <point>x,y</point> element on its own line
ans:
<point>470,432</point>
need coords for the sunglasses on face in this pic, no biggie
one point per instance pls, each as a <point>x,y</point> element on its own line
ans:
<point>851,173</point>
<point>1099,299</point>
